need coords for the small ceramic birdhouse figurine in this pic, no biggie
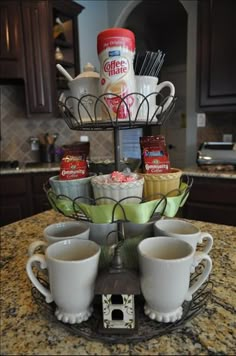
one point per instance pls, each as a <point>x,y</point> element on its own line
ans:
<point>118,288</point>
<point>118,314</point>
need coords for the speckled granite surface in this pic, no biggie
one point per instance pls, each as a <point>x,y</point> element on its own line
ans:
<point>37,168</point>
<point>198,172</point>
<point>52,167</point>
<point>26,331</point>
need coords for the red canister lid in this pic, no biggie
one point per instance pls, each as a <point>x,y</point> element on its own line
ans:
<point>114,37</point>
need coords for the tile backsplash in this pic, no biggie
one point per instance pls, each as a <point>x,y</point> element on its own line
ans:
<point>217,124</point>
<point>16,129</point>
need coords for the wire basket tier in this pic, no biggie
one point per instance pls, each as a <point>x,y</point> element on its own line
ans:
<point>147,328</point>
<point>92,113</point>
<point>88,209</point>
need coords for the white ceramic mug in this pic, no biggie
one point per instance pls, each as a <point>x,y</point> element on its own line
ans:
<point>103,234</point>
<point>138,230</point>
<point>165,267</point>
<point>61,231</point>
<point>148,86</point>
<point>106,234</point>
<point>72,267</point>
<point>184,230</point>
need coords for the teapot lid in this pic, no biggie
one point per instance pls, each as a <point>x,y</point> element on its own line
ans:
<point>88,72</point>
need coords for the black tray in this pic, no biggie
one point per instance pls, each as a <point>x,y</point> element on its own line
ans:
<point>147,328</point>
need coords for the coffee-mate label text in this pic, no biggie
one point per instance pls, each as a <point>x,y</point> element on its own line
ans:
<point>116,68</point>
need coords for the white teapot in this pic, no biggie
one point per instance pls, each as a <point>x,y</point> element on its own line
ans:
<point>84,87</point>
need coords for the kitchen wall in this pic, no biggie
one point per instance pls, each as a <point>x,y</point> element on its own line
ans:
<point>92,20</point>
<point>16,129</point>
<point>217,124</point>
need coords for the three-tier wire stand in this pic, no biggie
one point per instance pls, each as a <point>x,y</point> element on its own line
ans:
<point>90,113</point>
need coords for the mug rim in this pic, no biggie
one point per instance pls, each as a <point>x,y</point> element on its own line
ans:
<point>56,226</point>
<point>169,240</point>
<point>174,221</point>
<point>71,242</point>
<point>152,78</point>
<point>76,180</point>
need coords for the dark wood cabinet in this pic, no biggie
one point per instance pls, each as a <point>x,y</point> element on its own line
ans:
<point>11,40</point>
<point>216,72</point>
<point>28,48</point>
<point>40,200</point>
<point>15,198</point>
<point>22,195</point>
<point>69,44</point>
<point>212,200</point>
<point>39,57</point>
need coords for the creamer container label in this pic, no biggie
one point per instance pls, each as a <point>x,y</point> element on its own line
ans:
<point>117,76</point>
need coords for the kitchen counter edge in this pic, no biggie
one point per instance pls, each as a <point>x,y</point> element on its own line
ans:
<point>55,167</point>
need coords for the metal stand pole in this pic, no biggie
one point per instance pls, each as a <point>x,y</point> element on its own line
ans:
<point>116,148</point>
<point>120,224</point>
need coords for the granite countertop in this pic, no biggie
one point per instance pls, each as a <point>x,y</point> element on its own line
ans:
<point>55,167</point>
<point>25,330</point>
<point>32,168</point>
<point>198,172</point>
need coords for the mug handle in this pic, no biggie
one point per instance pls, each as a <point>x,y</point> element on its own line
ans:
<point>198,257</point>
<point>34,245</point>
<point>209,243</point>
<point>159,87</point>
<point>43,264</point>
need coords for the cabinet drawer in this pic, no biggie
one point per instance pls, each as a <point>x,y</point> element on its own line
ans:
<point>213,190</point>
<point>219,214</point>
<point>40,203</point>
<point>14,208</point>
<point>213,200</point>
<point>39,179</point>
<point>14,184</point>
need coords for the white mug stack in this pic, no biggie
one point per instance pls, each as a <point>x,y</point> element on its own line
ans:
<point>166,262</point>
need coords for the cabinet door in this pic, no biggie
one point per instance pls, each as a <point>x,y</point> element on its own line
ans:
<point>216,213</point>
<point>13,209</point>
<point>39,55</point>
<point>11,46</point>
<point>40,200</point>
<point>213,200</point>
<point>217,55</point>
<point>15,198</point>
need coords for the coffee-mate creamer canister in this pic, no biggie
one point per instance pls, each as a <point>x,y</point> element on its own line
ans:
<point>116,49</point>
